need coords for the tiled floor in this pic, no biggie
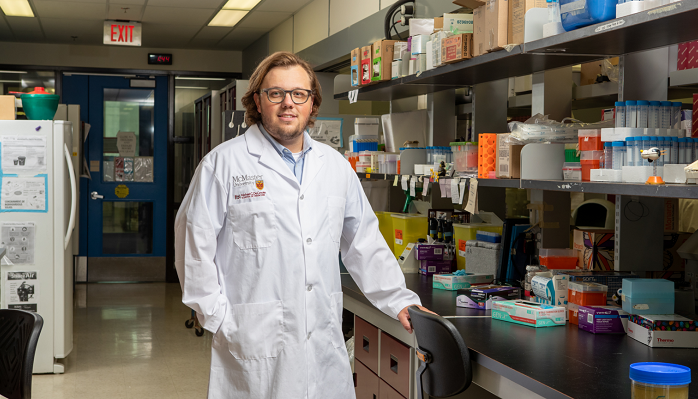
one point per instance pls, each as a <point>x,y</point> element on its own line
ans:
<point>130,342</point>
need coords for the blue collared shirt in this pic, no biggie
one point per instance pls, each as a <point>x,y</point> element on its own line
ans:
<point>295,166</point>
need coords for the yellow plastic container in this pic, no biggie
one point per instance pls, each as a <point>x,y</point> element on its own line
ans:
<point>385,223</point>
<point>468,231</point>
<point>407,228</point>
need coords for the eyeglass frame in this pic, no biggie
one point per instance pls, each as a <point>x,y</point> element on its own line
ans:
<point>310,94</point>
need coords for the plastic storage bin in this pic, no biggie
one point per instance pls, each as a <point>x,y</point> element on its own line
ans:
<point>659,380</point>
<point>586,294</point>
<point>648,296</point>
<point>407,228</point>
<point>590,140</point>
<point>487,236</point>
<point>385,225</point>
<point>576,14</point>
<point>590,160</point>
<point>572,171</point>
<point>558,258</point>
<point>468,231</point>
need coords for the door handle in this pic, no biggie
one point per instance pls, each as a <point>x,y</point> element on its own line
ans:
<point>73,196</point>
<point>95,196</point>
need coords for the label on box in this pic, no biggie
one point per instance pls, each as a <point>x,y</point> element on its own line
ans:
<point>461,248</point>
<point>398,237</point>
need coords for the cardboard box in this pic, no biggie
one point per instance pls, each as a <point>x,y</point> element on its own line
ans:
<point>382,60</point>
<point>694,120</point>
<point>481,297</point>
<point>550,290</point>
<point>438,23</point>
<point>418,44</point>
<point>596,249</point>
<point>508,158</point>
<point>496,24</point>
<point>458,23</point>
<point>452,282</point>
<point>602,319</point>
<point>682,56</point>
<point>433,267</point>
<point>479,26</point>
<point>469,3</point>
<point>356,67</point>
<point>692,61</point>
<point>589,72</point>
<point>613,280</point>
<point>8,111</point>
<point>421,26</point>
<point>457,48</point>
<point>517,11</point>
<point>529,313</point>
<point>366,65</point>
<point>663,331</point>
<point>431,252</point>
<point>671,215</point>
<point>395,69</point>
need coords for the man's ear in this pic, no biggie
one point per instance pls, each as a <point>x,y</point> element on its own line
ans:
<point>257,102</point>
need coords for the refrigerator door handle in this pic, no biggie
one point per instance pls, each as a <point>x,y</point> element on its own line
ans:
<point>73,196</point>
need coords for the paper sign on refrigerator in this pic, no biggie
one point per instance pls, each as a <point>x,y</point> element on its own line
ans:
<point>23,194</point>
<point>22,290</point>
<point>18,240</point>
<point>23,154</point>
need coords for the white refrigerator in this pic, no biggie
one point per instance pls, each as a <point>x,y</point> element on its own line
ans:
<point>38,209</point>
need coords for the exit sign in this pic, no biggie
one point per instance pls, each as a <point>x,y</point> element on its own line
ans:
<point>122,33</point>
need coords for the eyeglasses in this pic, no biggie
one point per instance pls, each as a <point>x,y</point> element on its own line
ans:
<point>298,96</point>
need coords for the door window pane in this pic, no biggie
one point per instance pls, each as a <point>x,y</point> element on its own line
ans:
<point>127,227</point>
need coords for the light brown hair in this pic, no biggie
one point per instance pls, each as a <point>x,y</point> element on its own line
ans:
<point>279,59</point>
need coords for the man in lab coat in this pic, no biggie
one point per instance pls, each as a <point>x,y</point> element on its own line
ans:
<point>257,242</point>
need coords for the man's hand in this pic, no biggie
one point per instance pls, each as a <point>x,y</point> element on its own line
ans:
<point>404,317</point>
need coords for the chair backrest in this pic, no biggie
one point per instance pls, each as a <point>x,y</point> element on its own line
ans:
<point>449,371</point>
<point>19,334</point>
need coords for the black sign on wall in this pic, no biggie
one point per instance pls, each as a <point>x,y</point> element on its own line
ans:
<point>160,59</point>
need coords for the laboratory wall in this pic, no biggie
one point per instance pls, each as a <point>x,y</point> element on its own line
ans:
<point>115,57</point>
<point>254,54</point>
<point>344,14</point>
<point>281,37</point>
<point>311,24</point>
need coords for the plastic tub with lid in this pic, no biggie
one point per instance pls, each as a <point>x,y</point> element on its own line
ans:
<point>590,140</point>
<point>407,228</point>
<point>39,104</point>
<point>579,13</point>
<point>462,232</point>
<point>659,380</point>
<point>558,258</point>
<point>590,160</point>
<point>572,171</point>
<point>586,293</point>
<point>385,225</point>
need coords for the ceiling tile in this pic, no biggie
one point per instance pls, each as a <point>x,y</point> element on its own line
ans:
<point>263,20</point>
<point>70,10</point>
<point>130,12</point>
<point>178,16</point>
<point>85,1</point>
<point>25,29</point>
<point>203,44</point>
<point>175,36</point>
<point>212,33</point>
<point>240,38</point>
<point>282,5</point>
<point>210,4</point>
<point>5,32</point>
<point>62,30</point>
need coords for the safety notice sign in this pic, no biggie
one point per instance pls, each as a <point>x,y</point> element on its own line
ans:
<point>18,240</point>
<point>23,193</point>
<point>22,290</point>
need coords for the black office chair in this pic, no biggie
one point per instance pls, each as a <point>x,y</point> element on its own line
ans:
<point>19,334</point>
<point>445,368</point>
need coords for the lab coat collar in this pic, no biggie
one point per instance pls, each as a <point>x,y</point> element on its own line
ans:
<point>313,162</point>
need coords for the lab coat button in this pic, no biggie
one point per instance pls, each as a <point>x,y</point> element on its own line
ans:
<point>302,196</point>
<point>310,288</point>
<point>309,335</point>
<point>309,241</point>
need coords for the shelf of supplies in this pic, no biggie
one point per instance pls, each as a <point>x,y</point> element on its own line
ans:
<point>506,183</point>
<point>642,190</point>
<point>650,29</point>
<point>485,68</point>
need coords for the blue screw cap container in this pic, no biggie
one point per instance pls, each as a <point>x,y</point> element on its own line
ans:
<point>579,13</point>
<point>660,373</point>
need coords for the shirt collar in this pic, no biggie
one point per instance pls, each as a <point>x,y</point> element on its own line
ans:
<point>307,146</point>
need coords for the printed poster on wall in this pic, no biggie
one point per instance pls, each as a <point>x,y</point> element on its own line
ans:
<point>19,243</point>
<point>23,154</point>
<point>23,194</point>
<point>327,131</point>
<point>22,290</point>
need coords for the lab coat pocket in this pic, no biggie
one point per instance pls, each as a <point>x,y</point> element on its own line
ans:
<point>253,224</point>
<point>335,217</point>
<point>337,306</point>
<point>256,330</point>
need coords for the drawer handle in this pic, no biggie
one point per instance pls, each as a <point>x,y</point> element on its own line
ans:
<point>393,364</point>
<point>366,344</point>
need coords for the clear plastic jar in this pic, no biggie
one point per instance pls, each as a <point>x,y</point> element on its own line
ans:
<point>653,380</point>
<point>683,144</point>
<point>620,114</point>
<point>629,154</point>
<point>607,155</point>
<point>631,114</point>
<point>637,146</point>
<point>674,150</point>
<point>675,115</point>
<point>665,115</point>
<point>642,111</point>
<point>653,115</point>
<point>618,155</point>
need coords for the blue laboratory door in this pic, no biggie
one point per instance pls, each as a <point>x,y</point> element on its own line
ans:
<point>127,195</point>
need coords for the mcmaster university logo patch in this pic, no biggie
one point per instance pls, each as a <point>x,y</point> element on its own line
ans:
<point>259,184</point>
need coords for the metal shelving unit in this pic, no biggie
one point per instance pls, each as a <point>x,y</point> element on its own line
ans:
<point>642,190</point>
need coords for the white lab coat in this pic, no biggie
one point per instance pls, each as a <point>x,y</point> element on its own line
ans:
<point>257,257</point>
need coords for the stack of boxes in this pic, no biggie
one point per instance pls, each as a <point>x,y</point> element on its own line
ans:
<point>434,258</point>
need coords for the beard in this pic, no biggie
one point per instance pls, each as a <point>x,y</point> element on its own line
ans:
<point>281,132</point>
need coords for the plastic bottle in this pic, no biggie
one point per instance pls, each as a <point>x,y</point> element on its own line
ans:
<point>683,142</point>
<point>637,146</point>
<point>631,114</point>
<point>629,154</point>
<point>674,150</point>
<point>553,10</point>
<point>607,155</point>
<point>620,114</point>
<point>665,115</point>
<point>653,115</point>
<point>642,110</point>
<point>661,146</point>
<point>675,115</point>
<point>618,155</point>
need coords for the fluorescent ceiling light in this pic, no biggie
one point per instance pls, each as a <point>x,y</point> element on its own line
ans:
<point>13,72</point>
<point>191,87</point>
<point>240,4</point>
<point>16,8</point>
<point>226,18</point>
<point>10,81</point>
<point>188,78</point>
